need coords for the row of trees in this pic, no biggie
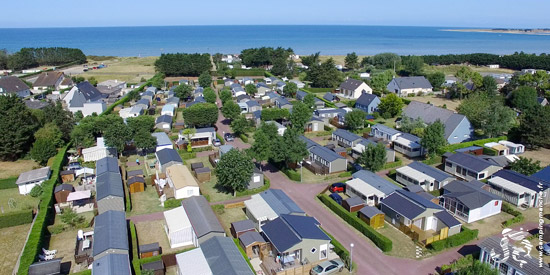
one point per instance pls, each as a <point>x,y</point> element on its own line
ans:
<point>33,57</point>
<point>516,61</point>
<point>264,56</point>
<point>177,64</point>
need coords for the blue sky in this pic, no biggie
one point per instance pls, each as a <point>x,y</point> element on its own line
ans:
<point>441,13</point>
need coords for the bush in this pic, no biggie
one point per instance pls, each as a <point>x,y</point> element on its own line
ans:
<point>36,191</point>
<point>394,164</point>
<point>518,217</point>
<point>292,174</point>
<point>327,128</point>
<point>324,133</point>
<point>172,203</point>
<point>244,138</point>
<point>479,142</point>
<point>378,239</point>
<point>344,174</point>
<point>8,183</point>
<point>202,149</point>
<point>222,141</point>
<point>15,218</point>
<point>247,192</point>
<point>56,229</point>
<point>135,255</point>
<point>461,238</point>
<point>127,198</point>
<point>84,272</point>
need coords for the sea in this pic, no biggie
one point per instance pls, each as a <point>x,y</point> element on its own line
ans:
<point>329,40</point>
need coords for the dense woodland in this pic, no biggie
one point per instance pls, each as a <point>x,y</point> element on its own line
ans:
<point>178,64</point>
<point>516,61</point>
<point>33,57</point>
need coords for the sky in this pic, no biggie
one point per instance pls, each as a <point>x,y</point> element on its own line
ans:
<point>437,13</point>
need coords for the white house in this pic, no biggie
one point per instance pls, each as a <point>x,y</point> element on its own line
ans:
<point>384,132</point>
<point>513,148</point>
<point>168,110</point>
<point>182,181</point>
<point>98,152</point>
<point>202,137</point>
<point>404,86</point>
<point>178,227</point>
<point>425,176</point>
<point>353,88</point>
<point>468,201</point>
<point>299,84</point>
<point>133,111</point>
<point>163,141</point>
<point>85,98</point>
<point>469,167</point>
<point>27,180</point>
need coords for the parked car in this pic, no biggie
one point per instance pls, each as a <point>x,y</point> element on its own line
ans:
<point>337,187</point>
<point>336,198</point>
<point>217,142</point>
<point>546,249</point>
<point>74,166</point>
<point>328,267</point>
<point>228,137</point>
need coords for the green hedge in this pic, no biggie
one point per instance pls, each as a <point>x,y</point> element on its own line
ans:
<point>247,192</point>
<point>45,214</point>
<point>127,198</point>
<point>340,250</point>
<point>8,183</point>
<point>172,203</point>
<point>15,218</point>
<point>291,174</point>
<point>126,98</point>
<point>394,164</point>
<point>344,174</point>
<point>461,238</point>
<point>379,240</point>
<point>244,254</point>
<point>243,72</point>
<point>518,216</point>
<point>220,82</point>
<point>135,255</point>
<point>83,272</point>
<point>319,90</point>
<point>244,138</point>
<point>324,133</point>
<point>222,140</point>
<point>479,142</point>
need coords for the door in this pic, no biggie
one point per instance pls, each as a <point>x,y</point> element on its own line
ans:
<point>315,127</point>
<point>323,251</point>
<point>298,255</point>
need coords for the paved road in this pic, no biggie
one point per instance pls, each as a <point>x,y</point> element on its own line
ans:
<point>223,127</point>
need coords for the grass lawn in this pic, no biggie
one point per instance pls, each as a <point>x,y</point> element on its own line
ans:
<point>452,69</point>
<point>489,226</point>
<point>451,104</point>
<point>390,122</point>
<point>12,240</point>
<point>129,69</point>
<point>229,215</point>
<point>209,188</point>
<point>145,202</point>
<point>403,246</point>
<point>14,168</point>
<point>64,243</point>
<point>8,183</point>
<point>152,232</point>
<point>172,270</point>
<point>21,202</point>
<point>309,177</point>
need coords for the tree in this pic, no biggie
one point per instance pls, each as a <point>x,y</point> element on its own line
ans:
<point>311,59</point>
<point>373,157</point>
<point>390,105</point>
<point>144,140</point>
<point>487,113</point>
<point>201,114</point>
<point>225,95</point>
<point>62,118</point>
<point>436,79</point>
<point>290,148</point>
<point>523,97</point>
<point>92,80</point>
<point>141,123</point>
<point>42,150</point>
<point>50,131</point>
<point>205,79</point>
<point>189,133</point>
<point>239,125</point>
<point>385,60</point>
<point>352,61</point>
<point>280,66</point>
<point>408,125</point>
<point>414,65</point>
<point>71,218</point>
<point>309,100</point>
<point>525,166</point>
<point>478,268</point>
<point>234,171</point>
<point>231,110</point>
<point>78,116</point>
<point>355,119</point>
<point>178,64</point>
<point>434,137</point>
<point>379,82</point>
<point>117,135</point>
<point>300,115</point>
<point>274,114</point>
<point>251,89</point>
<point>264,139</point>
<point>209,95</point>
<point>183,91</point>
<point>36,191</point>
<point>18,126</point>
<point>489,85</point>
<point>325,75</point>
<point>290,89</point>
<point>534,127</point>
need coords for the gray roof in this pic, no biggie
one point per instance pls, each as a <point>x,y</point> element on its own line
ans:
<point>429,114</point>
<point>162,138</point>
<point>12,84</point>
<point>347,135</point>
<point>150,247</point>
<point>243,225</point>
<point>447,218</point>
<point>408,204</point>
<point>133,173</point>
<point>226,148</point>
<point>309,143</point>
<point>412,82</point>
<point>375,180</point>
<point>251,237</point>
<point>470,194</point>
<point>430,171</point>
<point>523,180</point>
<point>143,101</point>
<point>329,96</point>
<point>280,202</point>
<point>288,230</point>
<point>351,84</point>
<point>90,92</point>
<point>63,187</point>
<point>353,201</point>
<point>135,179</point>
<point>164,119</point>
<point>282,101</point>
<point>110,232</point>
<point>112,264</point>
<point>366,99</point>
<point>325,153</point>
<point>156,265</point>
<point>385,129</point>
<point>36,104</point>
<point>300,94</point>
<point>531,266</point>
<point>202,170</point>
<point>33,175</point>
<point>167,155</point>
<point>330,111</point>
<point>470,162</point>
<point>224,257</point>
<point>201,216</point>
<point>206,130</point>
<point>370,211</point>
<point>252,103</point>
<point>46,267</point>
<point>107,164</point>
<point>109,184</point>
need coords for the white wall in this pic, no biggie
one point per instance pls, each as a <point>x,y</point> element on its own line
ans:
<point>24,189</point>
<point>183,193</point>
<point>487,210</point>
<point>181,237</point>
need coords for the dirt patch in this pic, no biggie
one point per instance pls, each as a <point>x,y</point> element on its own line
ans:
<point>14,168</point>
<point>12,240</point>
<point>540,154</point>
<point>489,226</point>
<point>437,101</point>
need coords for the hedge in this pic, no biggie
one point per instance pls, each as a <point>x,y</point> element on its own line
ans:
<point>379,240</point>
<point>83,272</point>
<point>172,203</point>
<point>320,90</point>
<point>8,183</point>
<point>518,217</point>
<point>323,133</point>
<point>291,174</point>
<point>244,254</point>
<point>479,142</point>
<point>340,250</point>
<point>461,238</point>
<point>243,72</point>
<point>45,214</point>
<point>127,198</point>
<point>247,192</point>
<point>391,165</point>
<point>135,255</point>
<point>244,138</point>
<point>222,141</point>
<point>15,218</point>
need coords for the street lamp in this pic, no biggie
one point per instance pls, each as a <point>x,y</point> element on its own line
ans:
<point>301,170</point>
<point>351,258</point>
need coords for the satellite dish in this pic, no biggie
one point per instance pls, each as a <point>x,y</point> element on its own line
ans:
<point>80,234</point>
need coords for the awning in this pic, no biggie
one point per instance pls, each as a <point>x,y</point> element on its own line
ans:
<point>79,195</point>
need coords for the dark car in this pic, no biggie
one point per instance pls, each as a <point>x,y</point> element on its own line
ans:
<point>228,137</point>
<point>336,198</point>
<point>546,249</point>
<point>337,187</point>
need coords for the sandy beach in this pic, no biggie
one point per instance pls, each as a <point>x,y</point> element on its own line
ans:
<point>510,31</point>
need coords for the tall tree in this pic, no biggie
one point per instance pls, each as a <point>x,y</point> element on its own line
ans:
<point>311,59</point>
<point>18,126</point>
<point>64,119</point>
<point>373,157</point>
<point>140,123</point>
<point>408,125</point>
<point>144,140</point>
<point>414,65</point>
<point>225,95</point>
<point>274,114</point>
<point>42,150</point>
<point>183,91</point>
<point>290,89</point>
<point>231,110</point>
<point>50,132</point>
<point>117,135</point>
<point>290,148</point>
<point>280,66</point>
<point>352,61</point>
<point>534,127</point>
<point>201,114</point>
<point>390,105</point>
<point>487,113</point>
<point>205,79</point>
<point>309,100</point>
<point>300,115</point>
<point>385,61</point>
<point>526,166</point>
<point>265,138</point>
<point>434,137</point>
<point>239,125</point>
<point>234,171</point>
<point>379,82</point>
<point>436,79</point>
<point>325,75</point>
<point>209,95</point>
<point>489,85</point>
<point>251,89</point>
<point>355,119</point>
<point>523,97</point>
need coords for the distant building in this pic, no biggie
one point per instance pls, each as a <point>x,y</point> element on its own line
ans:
<point>14,85</point>
<point>27,180</point>
<point>404,86</point>
<point>353,88</point>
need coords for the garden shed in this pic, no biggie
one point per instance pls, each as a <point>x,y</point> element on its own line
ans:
<point>203,174</point>
<point>253,244</point>
<point>136,184</point>
<point>134,173</point>
<point>196,165</point>
<point>241,227</point>
<point>157,267</point>
<point>62,192</point>
<point>67,175</point>
<point>372,216</point>
<point>149,250</point>
<point>353,204</point>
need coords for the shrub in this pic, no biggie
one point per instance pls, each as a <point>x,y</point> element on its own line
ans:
<point>8,183</point>
<point>15,218</point>
<point>222,141</point>
<point>378,239</point>
<point>518,217</point>
<point>324,133</point>
<point>394,164</point>
<point>84,272</point>
<point>127,198</point>
<point>202,149</point>
<point>243,253</point>
<point>56,229</point>
<point>292,174</point>
<point>244,138</point>
<point>327,128</point>
<point>256,190</point>
<point>479,142</point>
<point>135,255</point>
<point>36,191</point>
<point>71,218</point>
<point>172,203</point>
<point>461,238</point>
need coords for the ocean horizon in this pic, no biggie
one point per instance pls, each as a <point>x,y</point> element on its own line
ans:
<point>303,39</point>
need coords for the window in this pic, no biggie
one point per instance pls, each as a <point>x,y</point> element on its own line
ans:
<point>313,250</point>
<point>448,164</point>
<point>190,192</point>
<point>496,203</point>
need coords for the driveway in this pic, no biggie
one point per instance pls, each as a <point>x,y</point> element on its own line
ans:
<point>223,126</point>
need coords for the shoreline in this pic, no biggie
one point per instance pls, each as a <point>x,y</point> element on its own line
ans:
<point>539,32</point>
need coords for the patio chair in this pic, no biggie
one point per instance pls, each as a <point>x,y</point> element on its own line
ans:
<point>49,252</point>
<point>46,257</point>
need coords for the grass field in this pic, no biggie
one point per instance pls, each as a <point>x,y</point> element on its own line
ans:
<point>145,202</point>
<point>451,104</point>
<point>14,168</point>
<point>229,215</point>
<point>8,183</point>
<point>12,240</point>
<point>152,232</point>
<point>129,69</point>
<point>21,202</point>
<point>452,69</point>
